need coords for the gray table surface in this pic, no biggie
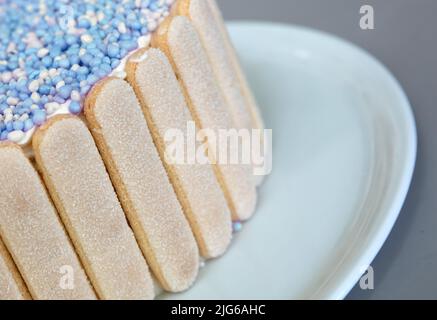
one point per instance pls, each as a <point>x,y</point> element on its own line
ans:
<point>405,40</point>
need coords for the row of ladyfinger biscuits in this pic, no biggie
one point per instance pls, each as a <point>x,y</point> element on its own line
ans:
<point>126,140</point>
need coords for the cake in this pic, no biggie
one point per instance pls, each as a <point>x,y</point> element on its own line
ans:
<point>92,207</point>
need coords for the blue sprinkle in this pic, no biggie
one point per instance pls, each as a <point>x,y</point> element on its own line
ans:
<point>75,107</point>
<point>71,39</point>
<point>64,91</point>
<point>83,70</point>
<point>3,135</point>
<point>69,80</point>
<point>95,62</point>
<point>47,61</point>
<point>115,63</point>
<point>44,89</point>
<point>64,63</point>
<point>83,23</point>
<point>237,226</point>
<point>43,100</point>
<point>28,124</point>
<point>27,103</point>
<point>113,50</point>
<point>74,59</point>
<point>3,107</point>
<point>18,125</point>
<point>92,79</point>
<point>59,99</point>
<point>86,58</point>
<point>56,79</point>
<point>38,117</point>
<point>84,90</point>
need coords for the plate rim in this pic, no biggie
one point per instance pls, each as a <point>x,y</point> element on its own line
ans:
<point>352,276</point>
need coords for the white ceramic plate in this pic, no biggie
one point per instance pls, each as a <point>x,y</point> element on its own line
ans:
<point>344,147</point>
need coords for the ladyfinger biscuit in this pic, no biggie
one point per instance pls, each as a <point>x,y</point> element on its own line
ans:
<point>31,230</point>
<point>213,40</point>
<point>142,184</point>
<point>12,286</point>
<point>81,189</point>
<point>179,40</point>
<point>223,60</point>
<point>199,193</point>
<point>257,120</point>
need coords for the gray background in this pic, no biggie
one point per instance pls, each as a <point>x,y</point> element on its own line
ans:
<point>404,39</point>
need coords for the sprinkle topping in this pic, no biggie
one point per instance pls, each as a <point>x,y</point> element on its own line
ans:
<point>53,51</point>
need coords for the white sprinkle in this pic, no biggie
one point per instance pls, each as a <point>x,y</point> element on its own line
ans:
<point>42,8</point>
<point>152,25</point>
<point>60,84</point>
<point>42,52</point>
<point>75,67</point>
<point>8,116</point>
<point>122,27</point>
<point>53,72</point>
<point>71,24</point>
<point>143,41</point>
<point>44,74</point>
<point>6,77</point>
<point>100,16</point>
<point>24,117</point>
<point>12,101</point>
<point>51,107</point>
<point>32,40</point>
<point>75,95</point>
<point>86,38</point>
<point>34,107</point>
<point>35,97</point>
<point>18,73</point>
<point>15,136</point>
<point>34,86</point>
<point>11,48</point>
<point>119,74</point>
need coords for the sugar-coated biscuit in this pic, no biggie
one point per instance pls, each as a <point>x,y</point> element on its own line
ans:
<point>81,189</point>
<point>12,286</point>
<point>257,120</point>
<point>250,99</point>
<point>31,230</point>
<point>202,18</point>
<point>142,184</point>
<point>179,40</point>
<point>199,193</point>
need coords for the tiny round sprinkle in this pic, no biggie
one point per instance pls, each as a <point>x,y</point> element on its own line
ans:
<point>28,124</point>
<point>34,86</point>
<point>15,136</point>
<point>38,117</point>
<point>237,226</point>
<point>18,125</point>
<point>75,107</point>
<point>64,91</point>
